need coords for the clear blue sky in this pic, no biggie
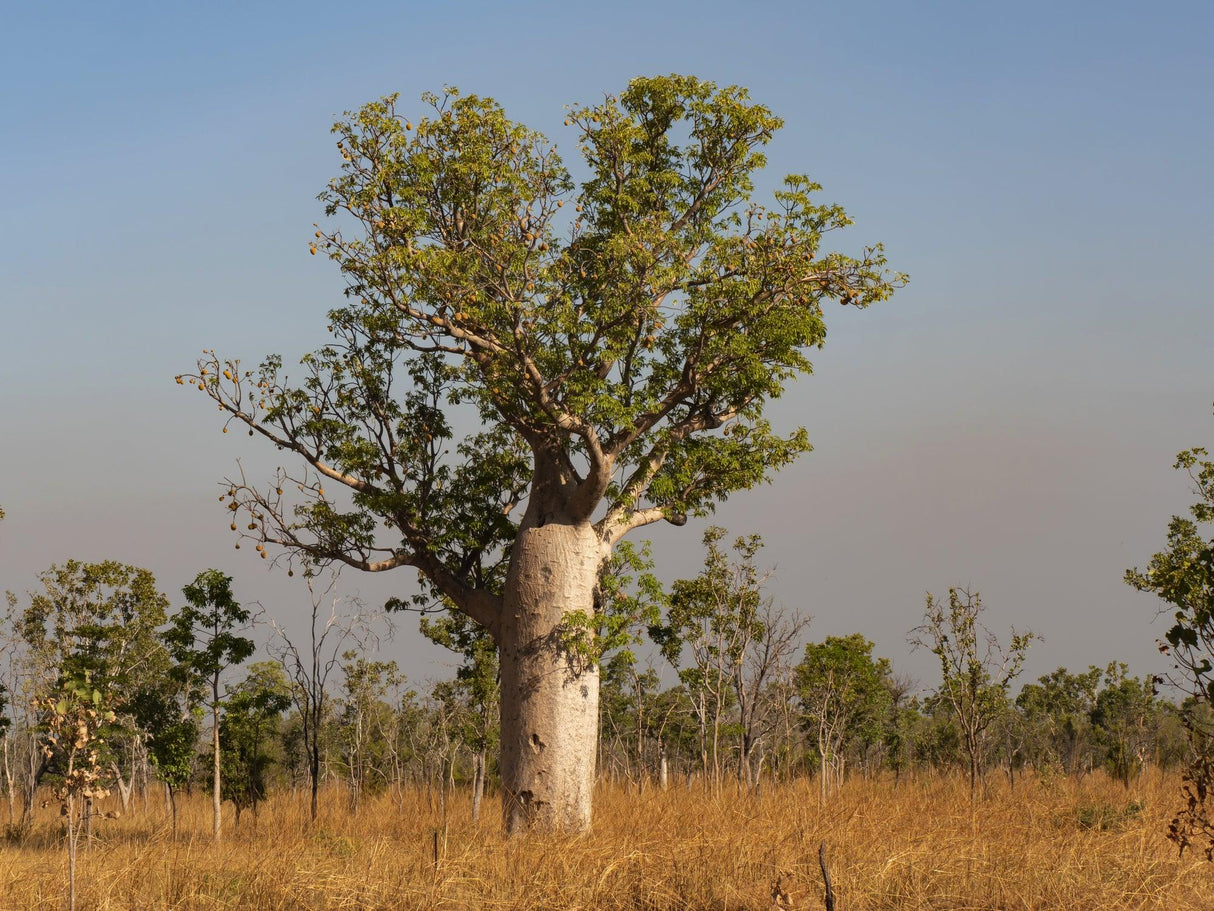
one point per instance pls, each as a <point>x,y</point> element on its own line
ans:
<point>1006,422</point>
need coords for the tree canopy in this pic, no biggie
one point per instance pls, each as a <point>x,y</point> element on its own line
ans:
<point>618,337</point>
<point>1183,577</point>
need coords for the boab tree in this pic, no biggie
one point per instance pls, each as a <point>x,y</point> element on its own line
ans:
<point>618,340</point>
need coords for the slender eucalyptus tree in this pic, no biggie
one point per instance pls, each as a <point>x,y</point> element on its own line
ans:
<point>204,639</point>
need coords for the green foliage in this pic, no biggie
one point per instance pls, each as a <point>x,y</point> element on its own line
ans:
<point>96,618</point>
<point>1057,713</point>
<point>975,670</point>
<point>173,726</point>
<point>1104,816</point>
<point>715,613</point>
<point>714,617</point>
<point>720,619</point>
<point>1183,577</point>
<point>844,690</point>
<point>363,715</point>
<point>203,639</point>
<point>246,729</point>
<point>617,338</point>
<point>203,635</point>
<point>76,719</point>
<point>1124,716</point>
<point>478,674</point>
<point>628,601</point>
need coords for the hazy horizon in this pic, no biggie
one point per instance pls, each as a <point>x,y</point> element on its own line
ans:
<point>1007,422</point>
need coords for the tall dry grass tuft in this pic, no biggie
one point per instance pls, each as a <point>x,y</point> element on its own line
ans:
<point>1050,844</point>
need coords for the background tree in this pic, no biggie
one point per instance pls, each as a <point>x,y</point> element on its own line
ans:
<point>618,341</point>
<point>102,619</point>
<point>5,720</point>
<point>975,670</point>
<point>843,692</point>
<point>714,619</point>
<point>248,727</point>
<point>479,681</point>
<point>901,723</point>
<point>759,683</point>
<point>10,644</point>
<point>75,719</point>
<point>328,635</point>
<point>171,716</point>
<point>1125,716</point>
<point>1057,710</point>
<point>1183,577</point>
<point>361,707</point>
<point>26,680</point>
<point>203,638</point>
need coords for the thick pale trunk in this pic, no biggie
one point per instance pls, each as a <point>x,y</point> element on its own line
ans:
<point>550,691</point>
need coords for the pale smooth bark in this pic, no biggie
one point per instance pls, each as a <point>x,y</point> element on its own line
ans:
<point>217,805</point>
<point>10,779</point>
<point>550,690</point>
<point>478,784</point>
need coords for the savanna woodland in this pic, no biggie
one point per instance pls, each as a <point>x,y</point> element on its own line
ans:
<point>531,363</point>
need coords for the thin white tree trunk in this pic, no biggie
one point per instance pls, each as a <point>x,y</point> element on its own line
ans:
<point>124,787</point>
<point>10,780</point>
<point>478,784</point>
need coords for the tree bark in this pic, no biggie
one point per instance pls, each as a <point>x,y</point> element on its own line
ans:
<point>10,780</point>
<point>217,804</point>
<point>550,689</point>
<point>822,772</point>
<point>124,787</point>
<point>314,772</point>
<point>478,783</point>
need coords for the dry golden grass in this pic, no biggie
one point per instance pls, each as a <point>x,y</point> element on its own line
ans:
<point>1049,845</point>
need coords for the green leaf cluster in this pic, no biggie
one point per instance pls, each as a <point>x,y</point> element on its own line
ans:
<point>616,331</point>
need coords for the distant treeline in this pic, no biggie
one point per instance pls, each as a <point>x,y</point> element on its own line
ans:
<point>753,698</point>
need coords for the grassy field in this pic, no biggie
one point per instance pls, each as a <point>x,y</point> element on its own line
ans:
<point>1048,845</point>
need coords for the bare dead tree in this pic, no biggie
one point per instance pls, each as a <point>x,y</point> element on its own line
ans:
<point>763,660</point>
<point>308,669</point>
